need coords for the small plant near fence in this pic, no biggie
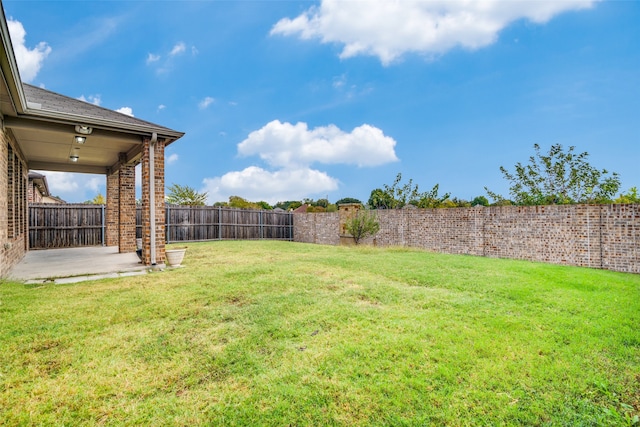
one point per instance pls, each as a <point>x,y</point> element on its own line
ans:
<point>362,225</point>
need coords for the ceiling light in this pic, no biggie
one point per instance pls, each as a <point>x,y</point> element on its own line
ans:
<point>84,130</point>
<point>74,158</point>
<point>80,139</point>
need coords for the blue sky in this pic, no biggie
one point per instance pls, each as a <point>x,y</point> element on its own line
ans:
<point>284,100</point>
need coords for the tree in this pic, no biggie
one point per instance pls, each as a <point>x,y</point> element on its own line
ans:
<point>559,177</point>
<point>430,199</point>
<point>480,200</point>
<point>630,197</point>
<point>362,225</point>
<point>396,196</point>
<point>288,205</point>
<point>393,196</point>
<point>98,200</point>
<point>185,195</point>
<point>348,200</point>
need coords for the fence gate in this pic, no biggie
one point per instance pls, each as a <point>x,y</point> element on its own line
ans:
<point>65,226</point>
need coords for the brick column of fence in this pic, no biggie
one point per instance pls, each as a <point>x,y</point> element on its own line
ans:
<point>111,211</point>
<point>159,202</point>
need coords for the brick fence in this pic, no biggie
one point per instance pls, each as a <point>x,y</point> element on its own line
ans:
<point>597,236</point>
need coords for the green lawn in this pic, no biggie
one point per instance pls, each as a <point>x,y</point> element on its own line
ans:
<point>279,333</point>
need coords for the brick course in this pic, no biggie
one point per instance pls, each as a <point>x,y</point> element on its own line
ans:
<point>13,245</point>
<point>597,236</point>
<point>159,202</point>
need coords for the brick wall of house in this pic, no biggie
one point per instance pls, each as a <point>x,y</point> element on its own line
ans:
<point>13,192</point>
<point>34,195</point>
<point>598,236</point>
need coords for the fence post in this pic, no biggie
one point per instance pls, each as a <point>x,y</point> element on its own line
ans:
<point>103,225</point>
<point>219,222</point>
<point>261,227</point>
<point>167,223</point>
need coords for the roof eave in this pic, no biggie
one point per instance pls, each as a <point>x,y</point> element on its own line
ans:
<point>67,118</point>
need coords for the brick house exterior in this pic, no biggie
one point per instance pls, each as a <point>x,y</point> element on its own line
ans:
<point>43,130</point>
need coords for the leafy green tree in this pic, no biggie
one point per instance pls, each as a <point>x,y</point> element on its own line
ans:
<point>455,203</point>
<point>558,177</point>
<point>396,196</point>
<point>322,202</point>
<point>480,200</point>
<point>379,199</point>
<point>288,205</point>
<point>348,200</point>
<point>264,205</point>
<point>185,195</point>
<point>362,225</point>
<point>630,197</point>
<point>98,200</point>
<point>431,199</point>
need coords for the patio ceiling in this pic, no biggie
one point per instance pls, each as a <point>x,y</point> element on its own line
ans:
<point>48,146</point>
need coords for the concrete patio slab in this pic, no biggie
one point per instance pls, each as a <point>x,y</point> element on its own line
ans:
<point>75,264</point>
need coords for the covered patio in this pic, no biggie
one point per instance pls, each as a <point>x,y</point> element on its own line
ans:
<point>46,131</point>
<point>75,265</point>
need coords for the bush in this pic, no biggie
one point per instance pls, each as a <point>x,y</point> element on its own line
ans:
<point>364,224</point>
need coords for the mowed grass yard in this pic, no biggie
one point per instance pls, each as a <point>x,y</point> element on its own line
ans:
<point>279,333</point>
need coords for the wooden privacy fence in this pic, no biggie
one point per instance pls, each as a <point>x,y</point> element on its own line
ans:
<point>201,223</point>
<point>64,226</point>
<point>72,225</point>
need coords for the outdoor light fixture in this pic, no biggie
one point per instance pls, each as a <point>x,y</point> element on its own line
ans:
<point>80,139</point>
<point>74,158</point>
<point>84,130</point>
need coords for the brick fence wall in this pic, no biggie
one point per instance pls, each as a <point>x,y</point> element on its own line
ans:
<point>598,236</point>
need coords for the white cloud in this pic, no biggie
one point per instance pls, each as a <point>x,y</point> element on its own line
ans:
<point>94,183</point>
<point>291,150</point>
<point>389,29</point>
<point>171,159</point>
<point>286,145</point>
<point>164,66</point>
<point>91,99</point>
<point>178,49</point>
<point>255,184</point>
<point>29,60</point>
<point>75,187</point>
<point>206,102</point>
<point>161,107</point>
<point>152,58</point>
<point>126,110</point>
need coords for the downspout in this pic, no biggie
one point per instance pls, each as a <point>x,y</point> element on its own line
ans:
<point>152,195</point>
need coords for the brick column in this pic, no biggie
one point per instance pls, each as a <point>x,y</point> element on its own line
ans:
<point>127,206</point>
<point>347,212</point>
<point>159,202</point>
<point>111,212</point>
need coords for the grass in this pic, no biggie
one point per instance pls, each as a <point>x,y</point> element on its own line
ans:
<point>279,333</point>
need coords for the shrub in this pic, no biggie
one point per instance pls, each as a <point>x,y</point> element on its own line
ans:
<point>364,224</point>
